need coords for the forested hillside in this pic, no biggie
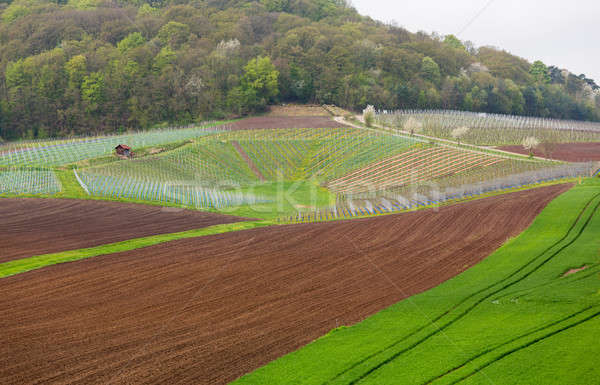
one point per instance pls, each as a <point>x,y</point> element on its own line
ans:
<point>91,66</point>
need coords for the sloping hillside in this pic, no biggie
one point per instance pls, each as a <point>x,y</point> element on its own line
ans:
<point>90,66</point>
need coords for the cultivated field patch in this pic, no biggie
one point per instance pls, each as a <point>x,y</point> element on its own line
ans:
<point>40,226</point>
<point>64,151</point>
<point>489,129</point>
<point>217,171</point>
<point>302,110</point>
<point>413,167</point>
<point>210,309</point>
<point>271,122</point>
<point>568,152</point>
<point>28,181</point>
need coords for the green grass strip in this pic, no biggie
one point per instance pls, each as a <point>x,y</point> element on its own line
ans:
<point>32,263</point>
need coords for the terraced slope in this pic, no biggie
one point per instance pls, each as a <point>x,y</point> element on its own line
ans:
<point>208,310</point>
<point>413,167</point>
<point>213,166</point>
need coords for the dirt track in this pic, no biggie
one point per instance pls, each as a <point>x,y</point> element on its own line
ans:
<point>247,159</point>
<point>271,122</point>
<point>31,227</point>
<point>207,310</point>
<point>569,152</point>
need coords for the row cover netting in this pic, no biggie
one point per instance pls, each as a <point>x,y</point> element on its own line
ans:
<point>290,154</point>
<point>24,181</point>
<point>489,129</point>
<point>58,152</point>
<point>430,195</point>
<point>186,194</point>
<point>324,154</point>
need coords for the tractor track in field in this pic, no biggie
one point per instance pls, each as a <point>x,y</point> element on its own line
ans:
<point>210,309</point>
<point>247,159</point>
<point>528,344</point>
<point>544,327</point>
<point>479,301</point>
<point>590,270</point>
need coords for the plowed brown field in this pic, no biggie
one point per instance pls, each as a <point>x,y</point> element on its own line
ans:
<point>207,310</point>
<point>39,226</point>
<point>272,122</point>
<point>569,152</point>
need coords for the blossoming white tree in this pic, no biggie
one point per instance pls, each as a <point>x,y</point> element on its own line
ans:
<point>459,132</point>
<point>369,115</point>
<point>227,47</point>
<point>530,143</point>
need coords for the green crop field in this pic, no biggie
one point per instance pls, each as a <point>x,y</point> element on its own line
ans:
<point>512,319</point>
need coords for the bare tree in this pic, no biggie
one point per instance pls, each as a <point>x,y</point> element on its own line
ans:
<point>413,126</point>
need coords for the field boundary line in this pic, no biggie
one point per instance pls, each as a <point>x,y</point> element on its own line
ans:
<point>431,321</point>
<point>478,302</point>
<point>83,186</point>
<point>502,281</point>
<point>23,265</point>
<point>526,345</point>
<point>247,159</point>
<point>512,340</point>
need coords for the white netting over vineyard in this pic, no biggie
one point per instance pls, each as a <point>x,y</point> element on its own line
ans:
<point>25,181</point>
<point>178,192</point>
<point>63,151</point>
<point>490,129</point>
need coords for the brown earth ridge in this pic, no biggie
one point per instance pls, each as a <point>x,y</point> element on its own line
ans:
<point>208,310</point>
<point>247,159</point>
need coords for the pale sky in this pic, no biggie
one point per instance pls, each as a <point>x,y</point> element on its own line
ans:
<point>561,33</point>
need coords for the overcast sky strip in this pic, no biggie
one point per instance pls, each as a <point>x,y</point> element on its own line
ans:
<point>555,31</point>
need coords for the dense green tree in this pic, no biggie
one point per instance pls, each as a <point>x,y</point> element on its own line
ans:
<point>260,79</point>
<point>277,5</point>
<point>92,90</point>
<point>133,40</point>
<point>76,69</point>
<point>539,71</point>
<point>174,34</point>
<point>430,70</point>
<point>300,84</point>
<point>453,42</point>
